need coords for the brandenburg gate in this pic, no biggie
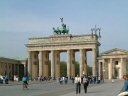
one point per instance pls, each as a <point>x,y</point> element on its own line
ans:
<point>39,49</point>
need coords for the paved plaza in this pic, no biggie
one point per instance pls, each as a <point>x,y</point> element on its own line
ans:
<point>106,89</point>
<point>53,88</point>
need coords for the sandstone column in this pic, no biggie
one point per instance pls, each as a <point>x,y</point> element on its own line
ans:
<point>104,70</point>
<point>73,63</point>
<point>57,64</point>
<point>40,63</point>
<point>35,65</point>
<point>121,68</point>
<point>110,69</point>
<point>69,64</point>
<point>53,64</point>
<point>81,62</point>
<point>29,64</point>
<point>45,63</point>
<point>125,66</point>
<point>94,62</point>
<point>99,65</point>
<point>85,62</point>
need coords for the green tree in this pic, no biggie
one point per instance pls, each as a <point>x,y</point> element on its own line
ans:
<point>89,69</point>
<point>77,67</point>
<point>63,68</point>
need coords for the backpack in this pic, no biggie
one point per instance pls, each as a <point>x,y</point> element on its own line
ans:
<point>24,78</point>
<point>85,80</point>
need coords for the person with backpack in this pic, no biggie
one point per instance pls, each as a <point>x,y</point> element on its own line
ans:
<point>25,81</point>
<point>6,79</point>
<point>85,83</point>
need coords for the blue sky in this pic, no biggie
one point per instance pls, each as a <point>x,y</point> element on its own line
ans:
<point>21,19</point>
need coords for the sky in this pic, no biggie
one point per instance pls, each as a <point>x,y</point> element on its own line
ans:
<point>22,19</point>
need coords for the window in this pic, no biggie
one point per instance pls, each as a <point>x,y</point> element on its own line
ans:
<point>116,62</point>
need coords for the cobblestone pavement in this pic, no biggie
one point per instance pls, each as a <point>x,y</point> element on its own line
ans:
<point>53,88</point>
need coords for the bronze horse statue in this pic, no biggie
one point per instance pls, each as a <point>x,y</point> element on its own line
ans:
<point>63,30</point>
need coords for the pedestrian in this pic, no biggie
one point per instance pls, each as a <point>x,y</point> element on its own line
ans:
<point>78,84</point>
<point>66,80</point>
<point>85,83</point>
<point>6,79</point>
<point>124,90</point>
<point>113,79</point>
<point>25,81</point>
<point>94,79</point>
<point>73,80</point>
<point>125,87</point>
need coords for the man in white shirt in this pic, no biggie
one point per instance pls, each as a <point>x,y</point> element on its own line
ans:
<point>78,84</point>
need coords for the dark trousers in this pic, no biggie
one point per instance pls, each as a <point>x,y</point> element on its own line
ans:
<point>78,88</point>
<point>25,82</point>
<point>6,81</point>
<point>85,87</point>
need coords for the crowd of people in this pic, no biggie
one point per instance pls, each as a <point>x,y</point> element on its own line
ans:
<point>4,79</point>
<point>63,80</point>
<point>85,80</point>
<point>44,78</point>
<point>78,81</point>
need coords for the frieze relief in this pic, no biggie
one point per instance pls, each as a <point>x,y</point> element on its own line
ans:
<point>83,38</point>
<point>61,47</point>
<point>60,39</point>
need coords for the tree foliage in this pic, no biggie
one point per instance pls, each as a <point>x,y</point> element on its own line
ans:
<point>63,68</point>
